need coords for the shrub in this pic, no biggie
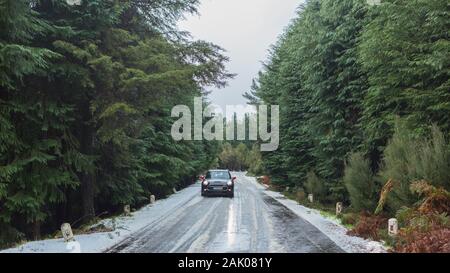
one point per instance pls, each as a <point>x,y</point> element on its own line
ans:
<point>300,196</point>
<point>431,211</point>
<point>336,192</point>
<point>404,215</point>
<point>408,159</point>
<point>349,218</point>
<point>9,235</point>
<point>396,167</point>
<point>437,200</point>
<point>359,182</point>
<point>369,226</point>
<point>436,240</point>
<point>254,161</point>
<point>315,185</point>
<point>265,180</point>
<point>432,162</point>
<point>426,226</point>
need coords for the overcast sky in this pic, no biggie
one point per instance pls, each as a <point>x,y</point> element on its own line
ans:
<point>245,29</point>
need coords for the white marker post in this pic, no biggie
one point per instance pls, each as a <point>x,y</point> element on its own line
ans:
<point>393,227</point>
<point>152,199</point>
<point>311,198</point>
<point>67,233</point>
<point>127,210</point>
<point>339,208</point>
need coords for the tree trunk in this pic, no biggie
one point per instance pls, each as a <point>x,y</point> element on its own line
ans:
<point>36,231</point>
<point>87,179</point>
<point>87,196</point>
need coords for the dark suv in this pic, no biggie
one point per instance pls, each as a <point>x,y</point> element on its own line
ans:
<point>218,182</point>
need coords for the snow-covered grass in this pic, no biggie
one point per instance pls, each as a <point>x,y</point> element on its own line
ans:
<point>330,226</point>
<point>124,226</point>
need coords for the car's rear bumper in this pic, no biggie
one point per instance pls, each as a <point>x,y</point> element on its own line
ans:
<point>217,190</point>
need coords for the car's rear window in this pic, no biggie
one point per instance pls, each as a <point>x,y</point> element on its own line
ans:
<point>218,175</point>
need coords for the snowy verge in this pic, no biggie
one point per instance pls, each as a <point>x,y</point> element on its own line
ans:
<point>330,227</point>
<point>123,226</point>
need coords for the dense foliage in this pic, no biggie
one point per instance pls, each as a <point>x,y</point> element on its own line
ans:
<point>241,158</point>
<point>360,183</point>
<point>364,94</point>
<point>342,73</point>
<point>85,97</point>
<point>237,154</point>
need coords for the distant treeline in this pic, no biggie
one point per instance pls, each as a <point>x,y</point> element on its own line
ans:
<point>241,158</point>
<point>240,155</point>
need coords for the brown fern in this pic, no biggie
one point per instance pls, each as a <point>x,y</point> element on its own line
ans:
<point>387,188</point>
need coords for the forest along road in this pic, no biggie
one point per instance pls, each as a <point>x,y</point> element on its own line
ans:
<point>250,222</point>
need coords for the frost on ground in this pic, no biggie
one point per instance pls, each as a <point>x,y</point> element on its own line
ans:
<point>330,227</point>
<point>151,215</point>
<point>123,227</point>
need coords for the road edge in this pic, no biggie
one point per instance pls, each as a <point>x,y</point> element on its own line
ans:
<point>331,228</point>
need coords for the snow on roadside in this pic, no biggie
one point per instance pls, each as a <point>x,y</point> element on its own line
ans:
<point>124,226</point>
<point>99,242</point>
<point>330,227</point>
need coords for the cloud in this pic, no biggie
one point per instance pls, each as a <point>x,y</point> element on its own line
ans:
<point>246,29</point>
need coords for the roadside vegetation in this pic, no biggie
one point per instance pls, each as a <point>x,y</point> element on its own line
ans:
<point>86,92</point>
<point>364,95</point>
<point>241,158</point>
<point>240,155</point>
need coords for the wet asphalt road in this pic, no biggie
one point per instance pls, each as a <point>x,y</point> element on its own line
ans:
<point>251,222</point>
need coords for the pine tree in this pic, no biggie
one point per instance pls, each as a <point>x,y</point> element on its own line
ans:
<point>35,148</point>
<point>404,50</point>
<point>86,93</point>
<point>314,76</point>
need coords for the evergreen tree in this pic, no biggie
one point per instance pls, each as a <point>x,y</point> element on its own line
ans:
<point>314,77</point>
<point>36,150</point>
<point>405,51</point>
<point>341,73</point>
<point>86,93</point>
